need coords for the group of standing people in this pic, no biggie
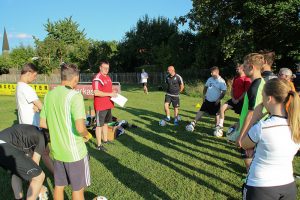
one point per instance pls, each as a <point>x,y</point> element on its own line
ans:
<point>269,135</point>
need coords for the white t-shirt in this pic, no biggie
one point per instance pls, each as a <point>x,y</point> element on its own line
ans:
<point>25,95</point>
<point>274,153</point>
<point>214,88</point>
<point>144,77</point>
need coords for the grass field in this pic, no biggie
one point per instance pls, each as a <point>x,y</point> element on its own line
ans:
<point>153,162</point>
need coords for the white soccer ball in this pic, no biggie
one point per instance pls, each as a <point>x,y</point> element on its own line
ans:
<point>162,122</point>
<point>189,128</point>
<point>218,133</point>
<point>100,198</point>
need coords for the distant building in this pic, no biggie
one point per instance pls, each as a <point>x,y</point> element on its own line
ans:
<point>5,46</point>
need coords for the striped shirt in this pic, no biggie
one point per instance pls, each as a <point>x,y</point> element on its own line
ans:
<point>62,107</point>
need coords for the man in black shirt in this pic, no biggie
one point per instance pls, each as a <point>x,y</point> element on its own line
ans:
<point>21,147</point>
<point>174,87</point>
<point>266,72</point>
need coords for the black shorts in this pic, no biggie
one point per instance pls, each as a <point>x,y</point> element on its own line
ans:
<point>210,107</point>
<point>144,84</point>
<point>174,100</point>
<point>103,117</point>
<point>283,192</point>
<point>236,107</point>
<point>18,163</point>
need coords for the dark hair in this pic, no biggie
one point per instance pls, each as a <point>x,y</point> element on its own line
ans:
<point>28,67</point>
<point>104,62</point>
<point>214,68</point>
<point>68,71</point>
<point>269,56</point>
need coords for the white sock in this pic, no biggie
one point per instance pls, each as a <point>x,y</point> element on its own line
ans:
<point>221,121</point>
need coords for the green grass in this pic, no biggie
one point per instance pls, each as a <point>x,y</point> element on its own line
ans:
<point>153,162</point>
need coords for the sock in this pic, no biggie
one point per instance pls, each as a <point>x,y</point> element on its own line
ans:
<point>168,117</point>
<point>221,121</point>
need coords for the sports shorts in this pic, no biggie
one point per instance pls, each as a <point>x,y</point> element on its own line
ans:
<point>76,174</point>
<point>103,117</point>
<point>236,107</point>
<point>210,107</point>
<point>282,192</point>
<point>18,163</point>
<point>172,99</point>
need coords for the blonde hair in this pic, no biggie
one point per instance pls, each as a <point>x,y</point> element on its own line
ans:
<point>283,93</point>
<point>255,59</point>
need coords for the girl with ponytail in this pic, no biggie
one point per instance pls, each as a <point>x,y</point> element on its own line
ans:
<point>276,141</point>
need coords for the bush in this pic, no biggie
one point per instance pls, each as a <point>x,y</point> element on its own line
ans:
<point>194,89</point>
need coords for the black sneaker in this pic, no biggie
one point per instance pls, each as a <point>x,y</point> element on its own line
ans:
<point>101,148</point>
<point>107,142</point>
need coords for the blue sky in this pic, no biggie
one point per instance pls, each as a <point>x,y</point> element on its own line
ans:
<point>101,19</point>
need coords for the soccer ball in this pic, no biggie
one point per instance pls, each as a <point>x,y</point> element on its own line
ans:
<point>189,128</point>
<point>100,198</point>
<point>218,133</point>
<point>162,122</point>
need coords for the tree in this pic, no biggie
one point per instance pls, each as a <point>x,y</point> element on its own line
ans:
<point>139,44</point>
<point>101,51</point>
<point>64,43</point>
<point>234,28</point>
<point>20,56</point>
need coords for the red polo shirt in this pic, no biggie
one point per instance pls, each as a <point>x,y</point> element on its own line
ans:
<point>240,85</point>
<point>102,83</point>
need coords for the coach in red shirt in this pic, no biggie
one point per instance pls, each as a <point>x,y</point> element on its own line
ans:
<point>240,86</point>
<point>102,86</point>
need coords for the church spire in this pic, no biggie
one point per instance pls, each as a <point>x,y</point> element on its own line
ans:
<point>5,46</point>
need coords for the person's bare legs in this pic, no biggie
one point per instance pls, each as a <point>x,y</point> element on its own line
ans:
<point>59,192</point>
<point>16,184</point>
<point>198,116</point>
<point>98,135</point>
<point>167,109</point>
<point>78,195</point>
<point>221,119</point>
<point>47,160</point>
<point>176,111</point>
<point>35,187</point>
<point>104,132</point>
<point>145,89</point>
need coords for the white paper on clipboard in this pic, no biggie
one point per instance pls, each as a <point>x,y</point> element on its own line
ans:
<point>120,100</point>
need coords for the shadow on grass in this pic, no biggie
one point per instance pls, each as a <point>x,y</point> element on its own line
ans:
<point>201,154</point>
<point>128,177</point>
<point>166,160</point>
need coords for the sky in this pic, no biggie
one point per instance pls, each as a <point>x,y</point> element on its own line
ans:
<point>101,19</point>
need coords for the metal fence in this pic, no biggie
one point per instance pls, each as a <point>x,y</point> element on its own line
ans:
<point>155,78</point>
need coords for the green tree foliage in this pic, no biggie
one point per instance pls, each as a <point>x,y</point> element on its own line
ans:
<point>147,43</point>
<point>230,29</point>
<point>20,56</point>
<point>101,51</point>
<point>5,64</point>
<point>64,43</point>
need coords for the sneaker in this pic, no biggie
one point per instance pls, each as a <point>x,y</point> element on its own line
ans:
<point>101,148</point>
<point>167,119</point>
<point>176,122</point>
<point>107,142</point>
<point>44,194</point>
